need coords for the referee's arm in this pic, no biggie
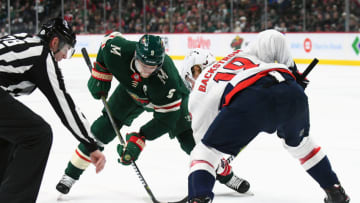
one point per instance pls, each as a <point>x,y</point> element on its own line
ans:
<point>50,81</point>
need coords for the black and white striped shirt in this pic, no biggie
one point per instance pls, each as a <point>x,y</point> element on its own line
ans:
<point>26,64</point>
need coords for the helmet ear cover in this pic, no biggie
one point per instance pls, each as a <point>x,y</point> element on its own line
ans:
<point>150,50</point>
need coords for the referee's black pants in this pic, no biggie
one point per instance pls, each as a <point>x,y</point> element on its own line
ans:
<point>25,141</point>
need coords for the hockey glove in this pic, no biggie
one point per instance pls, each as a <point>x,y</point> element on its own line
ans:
<point>303,82</point>
<point>131,151</point>
<point>100,81</point>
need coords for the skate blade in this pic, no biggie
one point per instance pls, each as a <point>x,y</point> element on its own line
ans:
<point>62,198</point>
<point>235,194</point>
<point>248,193</point>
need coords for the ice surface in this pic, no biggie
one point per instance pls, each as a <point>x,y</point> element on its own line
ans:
<point>275,177</point>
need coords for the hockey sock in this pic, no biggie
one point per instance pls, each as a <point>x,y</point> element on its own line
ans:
<point>73,171</point>
<point>78,163</point>
<point>201,184</point>
<point>314,161</point>
<point>323,173</point>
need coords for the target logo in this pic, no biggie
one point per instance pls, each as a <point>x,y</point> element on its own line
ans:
<point>307,45</point>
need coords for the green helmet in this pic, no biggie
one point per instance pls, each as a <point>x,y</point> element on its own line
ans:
<point>150,50</point>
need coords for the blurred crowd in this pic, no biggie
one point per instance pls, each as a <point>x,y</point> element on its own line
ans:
<point>184,16</point>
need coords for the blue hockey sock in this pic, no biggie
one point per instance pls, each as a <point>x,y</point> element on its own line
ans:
<point>323,173</point>
<point>201,184</point>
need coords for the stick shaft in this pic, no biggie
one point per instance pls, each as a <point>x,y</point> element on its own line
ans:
<point>116,129</point>
<point>309,68</point>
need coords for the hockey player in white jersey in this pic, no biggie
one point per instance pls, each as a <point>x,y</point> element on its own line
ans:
<point>246,93</point>
<point>196,60</point>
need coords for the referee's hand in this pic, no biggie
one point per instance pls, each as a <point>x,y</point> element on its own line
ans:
<point>98,159</point>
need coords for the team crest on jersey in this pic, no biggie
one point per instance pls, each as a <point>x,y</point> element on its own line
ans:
<point>144,42</point>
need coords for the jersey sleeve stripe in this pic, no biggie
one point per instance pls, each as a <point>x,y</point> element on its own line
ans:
<point>174,106</point>
<point>247,82</point>
<point>170,105</point>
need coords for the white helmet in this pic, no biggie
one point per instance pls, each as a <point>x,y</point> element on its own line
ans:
<point>196,57</point>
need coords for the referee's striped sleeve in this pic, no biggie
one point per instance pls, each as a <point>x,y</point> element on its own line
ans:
<point>69,113</point>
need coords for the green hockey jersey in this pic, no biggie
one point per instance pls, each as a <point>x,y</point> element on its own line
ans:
<point>163,93</point>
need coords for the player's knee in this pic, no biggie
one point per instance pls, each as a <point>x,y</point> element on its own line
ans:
<point>186,140</point>
<point>103,130</point>
<point>204,158</point>
<point>307,152</point>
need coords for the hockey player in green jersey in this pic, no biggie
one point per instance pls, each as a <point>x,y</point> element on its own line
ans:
<point>148,81</point>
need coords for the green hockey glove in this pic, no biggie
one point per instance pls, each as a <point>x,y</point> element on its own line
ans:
<point>131,151</point>
<point>100,81</point>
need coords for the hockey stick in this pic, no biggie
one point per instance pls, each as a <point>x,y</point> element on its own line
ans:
<point>309,68</point>
<point>122,141</point>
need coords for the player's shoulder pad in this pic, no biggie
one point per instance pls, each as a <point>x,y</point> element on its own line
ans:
<point>120,47</point>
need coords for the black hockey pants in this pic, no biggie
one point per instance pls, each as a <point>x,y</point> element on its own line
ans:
<point>25,141</point>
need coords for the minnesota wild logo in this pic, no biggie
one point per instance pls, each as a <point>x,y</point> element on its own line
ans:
<point>237,42</point>
<point>144,42</point>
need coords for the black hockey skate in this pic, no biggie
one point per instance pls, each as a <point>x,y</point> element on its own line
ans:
<point>201,200</point>
<point>238,184</point>
<point>336,194</point>
<point>65,184</point>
